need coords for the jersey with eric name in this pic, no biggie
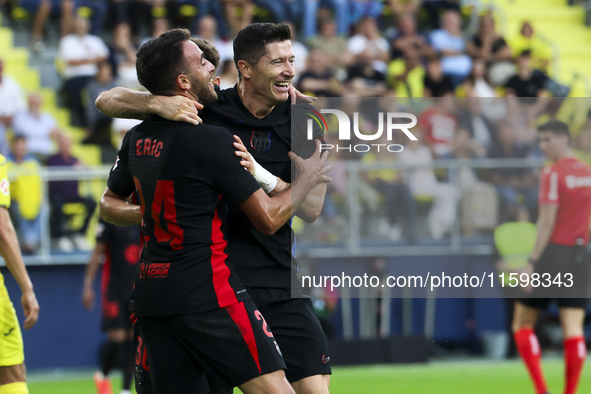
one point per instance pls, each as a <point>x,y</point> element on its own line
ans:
<point>567,183</point>
<point>265,260</point>
<point>122,253</point>
<point>184,176</point>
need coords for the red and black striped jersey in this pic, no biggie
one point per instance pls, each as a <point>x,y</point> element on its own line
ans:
<point>184,176</point>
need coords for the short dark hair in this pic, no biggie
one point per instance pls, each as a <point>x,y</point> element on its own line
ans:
<point>555,127</point>
<point>210,53</point>
<point>250,43</point>
<point>161,60</point>
<point>525,53</point>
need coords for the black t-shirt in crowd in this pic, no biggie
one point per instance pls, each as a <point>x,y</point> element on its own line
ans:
<point>184,176</point>
<point>438,88</point>
<point>122,253</point>
<point>525,89</point>
<point>262,260</point>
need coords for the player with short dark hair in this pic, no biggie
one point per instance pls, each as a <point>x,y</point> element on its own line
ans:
<point>12,357</point>
<point>209,51</point>
<point>192,309</point>
<point>120,248</point>
<point>258,110</point>
<point>560,249</point>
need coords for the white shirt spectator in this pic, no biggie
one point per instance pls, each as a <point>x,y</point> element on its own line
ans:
<point>359,43</point>
<point>74,47</point>
<point>442,40</point>
<point>37,130</point>
<point>301,54</point>
<point>12,101</point>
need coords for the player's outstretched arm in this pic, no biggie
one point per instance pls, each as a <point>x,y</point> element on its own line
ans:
<point>126,103</point>
<point>88,296</point>
<point>269,214</point>
<point>115,209</point>
<point>11,253</point>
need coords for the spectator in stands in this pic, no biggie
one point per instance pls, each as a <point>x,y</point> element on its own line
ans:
<point>425,187</point>
<point>478,200</point>
<point>448,41</point>
<point>435,82</point>
<point>65,192</point>
<point>480,129</point>
<point>364,81</point>
<point>513,184</point>
<point>42,9</point>
<point>527,40</point>
<point>359,9</point>
<point>239,14</point>
<point>208,30</point>
<point>408,37</point>
<point>123,52</point>
<point>439,124</point>
<point>400,8</point>
<point>38,127</point>
<point>406,75</point>
<point>12,101</point>
<point>487,45</point>
<point>26,192</point>
<point>434,8</point>
<point>318,79</point>
<point>94,10</point>
<point>159,26</point>
<point>228,75</point>
<point>331,45</point>
<point>97,131</point>
<point>368,46</point>
<point>477,84</point>
<point>527,83</point>
<point>341,15</point>
<point>82,53</point>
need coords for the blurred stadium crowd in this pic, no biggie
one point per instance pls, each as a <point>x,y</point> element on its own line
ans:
<point>411,54</point>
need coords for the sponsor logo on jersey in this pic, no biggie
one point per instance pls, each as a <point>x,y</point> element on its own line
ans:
<point>154,270</point>
<point>9,332</point>
<point>260,140</point>
<point>277,347</point>
<point>325,359</point>
<point>5,187</point>
<point>575,181</point>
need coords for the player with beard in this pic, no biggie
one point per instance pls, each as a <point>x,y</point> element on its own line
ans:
<point>192,309</point>
<point>258,110</point>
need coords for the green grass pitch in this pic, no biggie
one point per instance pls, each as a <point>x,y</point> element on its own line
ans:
<point>482,377</point>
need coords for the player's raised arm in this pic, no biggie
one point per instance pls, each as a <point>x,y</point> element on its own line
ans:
<point>11,253</point>
<point>126,103</point>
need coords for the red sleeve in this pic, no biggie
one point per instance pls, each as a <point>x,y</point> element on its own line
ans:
<point>548,187</point>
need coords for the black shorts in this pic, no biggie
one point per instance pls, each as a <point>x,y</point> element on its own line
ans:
<point>115,312</point>
<point>297,330</point>
<point>232,344</point>
<point>143,384</point>
<point>557,264</point>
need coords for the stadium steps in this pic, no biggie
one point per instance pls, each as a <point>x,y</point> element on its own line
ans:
<point>559,23</point>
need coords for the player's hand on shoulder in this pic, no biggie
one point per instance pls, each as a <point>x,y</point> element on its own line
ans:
<point>177,108</point>
<point>314,166</point>
<point>30,308</point>
<point>247,160</point>
<point>296,94</point>
<point>88,298</point>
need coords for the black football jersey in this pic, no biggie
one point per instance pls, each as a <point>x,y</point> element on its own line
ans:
<point>265,260</point>
<point>184,176</point>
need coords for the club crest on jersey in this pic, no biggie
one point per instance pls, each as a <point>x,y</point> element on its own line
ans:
<point>5,187</point>
<point>260,140</point>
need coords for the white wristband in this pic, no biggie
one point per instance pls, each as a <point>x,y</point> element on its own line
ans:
<point>267,180</point>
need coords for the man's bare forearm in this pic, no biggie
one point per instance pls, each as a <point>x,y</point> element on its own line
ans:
<point>125,103</point>
<point>114,209</point>
<point>312,205</point>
